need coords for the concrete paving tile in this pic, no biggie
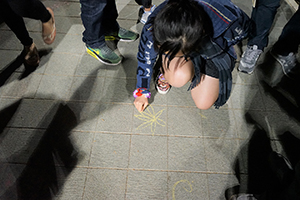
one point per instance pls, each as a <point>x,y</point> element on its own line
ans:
<point>34,113</point>
<point>241,161</point>
<point>71,43</point>
<point>9,174</point>
<point>276,97</point>
<point>274,35</point>
<point>218,123</point>
<point>72,185</point>
<point>9,41</point>
<point>286,9</point>
<point>64,8</point>
<point>89,66</point>
<point>65,24</point>
<point>127,69</point>
<point>191,186</point>
<point>6,103</point>
<point>243,79</point>
<point>17,145</point>
<point>220,154</point>
<point>88,89</point>
<point>153,121</point>
<point>180,96</point>
<point>50,87</point>
<point>110,151</point>
<point>105,184</point>
<point>147,185</point>
<point>118,90</point>
<point>86,115</point>
<point>158,99</point>
<point>62,64</point>
<point>148,152</point>
<point>244,128</point>
<point>247,97</point>
<point>218,183</point>
<point>280,19</point>
<point>129,12</point>
<point>3,26</point>
<point>82,143</point>
<point>246,6</point>
<point>280,122</point>
<point>184,121</point>
<point>115,118</point>
<point>33,25</point>
<point>26,87</point>
<point>187,154</point>
<point>8,58</point>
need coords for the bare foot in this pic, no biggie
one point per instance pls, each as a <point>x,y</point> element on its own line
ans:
<point>31,57</point>
<point>49,29</point>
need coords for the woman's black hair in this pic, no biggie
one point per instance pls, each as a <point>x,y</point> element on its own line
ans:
<point>180,25</point>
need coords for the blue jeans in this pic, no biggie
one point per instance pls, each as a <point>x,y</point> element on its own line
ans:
<point>145,3</point>
<point>262,16</point>
<point>99,17</point>
<point>289,40</point>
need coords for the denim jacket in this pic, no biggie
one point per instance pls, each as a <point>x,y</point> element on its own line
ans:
<point>230,25</point>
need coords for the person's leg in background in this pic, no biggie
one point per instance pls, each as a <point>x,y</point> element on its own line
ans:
<point>35,9</point>
<point>16,24</point>
<point>146,9</point>
<point>93,19</point>
<point>286,48</point>
<point>263,15</point>
<point>99,18</point>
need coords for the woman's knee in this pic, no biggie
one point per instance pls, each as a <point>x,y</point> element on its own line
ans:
<point>203,104</point>
<point>179,75</point>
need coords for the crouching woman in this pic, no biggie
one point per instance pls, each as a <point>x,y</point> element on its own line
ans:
<point>190,41</point>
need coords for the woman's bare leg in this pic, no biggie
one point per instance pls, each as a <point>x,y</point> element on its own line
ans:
<point>181,72</point>
<point>206,92</point>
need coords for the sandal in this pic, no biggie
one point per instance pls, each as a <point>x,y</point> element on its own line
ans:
<point>162,86</point>
<point>31,57</point>
<point>49,38</point>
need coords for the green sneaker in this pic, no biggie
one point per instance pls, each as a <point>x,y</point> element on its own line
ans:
<point>104,55</point>
<point>123,35</point>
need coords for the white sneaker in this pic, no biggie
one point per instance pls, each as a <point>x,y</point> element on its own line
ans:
<point>249,59</point>
<point>146,14</point>
<point>287,62</point>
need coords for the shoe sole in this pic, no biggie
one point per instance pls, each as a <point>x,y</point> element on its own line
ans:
<point>275,57</point>
<point>246,72</point>
<point>113,38</point>
<point>100,59</point>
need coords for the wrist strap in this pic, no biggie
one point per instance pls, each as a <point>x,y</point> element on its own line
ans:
<point>141,91</point>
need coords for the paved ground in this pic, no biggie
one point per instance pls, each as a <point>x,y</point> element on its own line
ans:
<point>69,129</point>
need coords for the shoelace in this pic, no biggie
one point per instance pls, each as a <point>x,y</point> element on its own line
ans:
<point>106,50</point>
<point>251,55</point>
<point>289,61</point>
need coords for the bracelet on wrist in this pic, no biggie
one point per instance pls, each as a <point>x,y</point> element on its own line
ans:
<point>141,91</point>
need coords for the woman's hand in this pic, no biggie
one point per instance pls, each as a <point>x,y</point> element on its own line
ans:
<point>141,103</point>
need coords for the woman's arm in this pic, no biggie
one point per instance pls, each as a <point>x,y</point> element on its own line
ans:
<point>146,60</point>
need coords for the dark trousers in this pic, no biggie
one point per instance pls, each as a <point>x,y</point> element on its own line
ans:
<point>262,16</point>
<point>99,17</point>
<point>13,11</point>
<point>289,40</point>
<point>145,3</point>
